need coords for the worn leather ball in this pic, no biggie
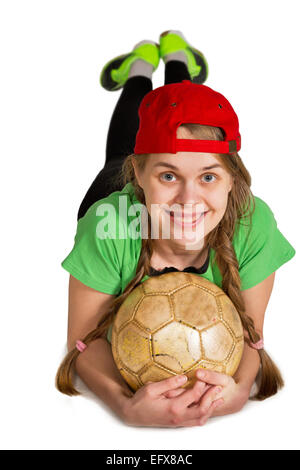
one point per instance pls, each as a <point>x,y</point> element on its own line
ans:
<point>173,324</point>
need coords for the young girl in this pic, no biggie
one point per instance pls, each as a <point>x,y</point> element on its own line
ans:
<point>171,148</point>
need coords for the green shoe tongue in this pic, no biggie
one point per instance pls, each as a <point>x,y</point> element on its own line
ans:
<point>147,52</point>
<point>172,43</point>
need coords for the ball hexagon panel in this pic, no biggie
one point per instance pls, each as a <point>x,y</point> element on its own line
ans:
<point>187,308</point>
<point>127,309</point>
<point>176,346</point>
<point>154,311</point>
<point>217,342</point>
<point>131,379</point>
<point>133,347</point>
<point>164,283</point>
<point>230,315</point>
<point>205,283</point>
<point>235,357</point>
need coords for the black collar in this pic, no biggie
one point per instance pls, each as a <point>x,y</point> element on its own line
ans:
<point>189,269</point>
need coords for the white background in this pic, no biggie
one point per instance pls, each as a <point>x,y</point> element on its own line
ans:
<point>53,124</point>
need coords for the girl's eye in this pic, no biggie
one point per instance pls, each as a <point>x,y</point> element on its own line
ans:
<point>209,175</point>
<point>168,174</point>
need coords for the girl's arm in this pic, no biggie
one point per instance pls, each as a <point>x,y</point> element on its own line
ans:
<point>95,365</point>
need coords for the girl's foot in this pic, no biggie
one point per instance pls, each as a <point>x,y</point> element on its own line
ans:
<point>174,46</point>
<point>142,60</point>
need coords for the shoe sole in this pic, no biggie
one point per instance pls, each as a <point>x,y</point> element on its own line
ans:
<point>105,78</point>
<point>201,61</point>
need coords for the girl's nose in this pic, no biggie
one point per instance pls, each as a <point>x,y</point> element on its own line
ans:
<point>189,194</point>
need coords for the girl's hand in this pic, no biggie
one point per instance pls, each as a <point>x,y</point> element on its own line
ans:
<point>234,395</point>
<point>149,406</point>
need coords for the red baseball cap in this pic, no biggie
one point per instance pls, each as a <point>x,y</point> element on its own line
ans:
<point>163,110</point>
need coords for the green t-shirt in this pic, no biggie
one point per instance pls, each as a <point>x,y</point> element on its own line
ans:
<point>107,263</point>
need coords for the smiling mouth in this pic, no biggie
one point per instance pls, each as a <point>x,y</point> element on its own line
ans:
<point>185,220</point>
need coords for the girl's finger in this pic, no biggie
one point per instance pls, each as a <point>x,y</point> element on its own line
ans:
<point>215,404</point>
<point>171,383</point>
<point>212,377</point>
<point>191,395</point>
<point>196,403</point>
<point>208,398</point>
<point>203,419</point>
<point>179,391</point>
<point>174,393</point>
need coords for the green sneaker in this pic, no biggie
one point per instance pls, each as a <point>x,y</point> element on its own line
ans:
<point>174,41</point>
<point>115,72</point>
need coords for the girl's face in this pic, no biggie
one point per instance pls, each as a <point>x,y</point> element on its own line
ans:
<point>187,181</point>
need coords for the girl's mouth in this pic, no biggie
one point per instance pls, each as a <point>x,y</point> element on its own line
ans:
<point>178,219</point>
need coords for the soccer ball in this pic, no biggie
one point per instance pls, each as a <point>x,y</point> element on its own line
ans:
<point>174,324</point>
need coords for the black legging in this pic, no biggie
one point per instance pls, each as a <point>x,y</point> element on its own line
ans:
<point>122,131</point>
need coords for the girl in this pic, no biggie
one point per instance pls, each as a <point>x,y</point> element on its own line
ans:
<point>172,148</point>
